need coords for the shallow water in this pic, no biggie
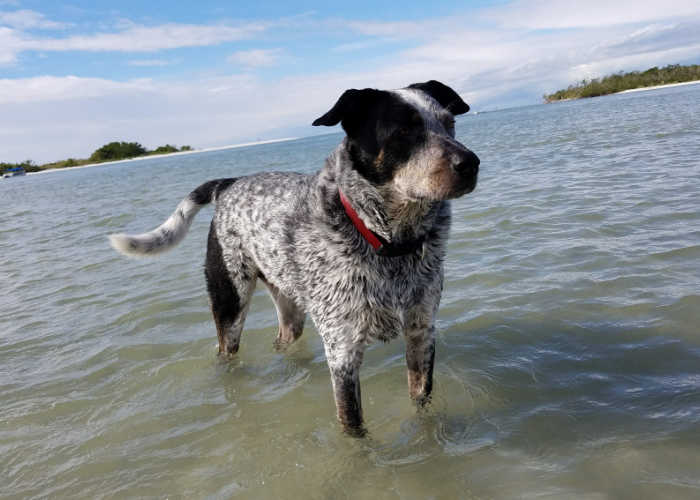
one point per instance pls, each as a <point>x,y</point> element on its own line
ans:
<point>568,358</point>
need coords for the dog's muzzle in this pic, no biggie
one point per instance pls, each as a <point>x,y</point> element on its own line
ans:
<point>466,165</point>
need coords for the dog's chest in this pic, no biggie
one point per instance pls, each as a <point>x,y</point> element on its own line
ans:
<point>376,302</point>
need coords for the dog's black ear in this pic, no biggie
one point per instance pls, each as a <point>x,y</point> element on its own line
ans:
<point>352,109</point>
<point>443,94</point>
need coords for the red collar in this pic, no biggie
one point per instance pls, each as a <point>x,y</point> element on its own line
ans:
<point>380,245</point>
<point>367,233</point>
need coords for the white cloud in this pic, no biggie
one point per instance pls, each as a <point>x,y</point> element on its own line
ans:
<point>150,62</point>
<point>9,45</point>
<point>398,29</point>
<point>555,14</point>
<point>656,37</point>
<point>131,38</point>
<point>352,46</point>
<point>29,19</point>
<point>147,38</point>
<point>256,58</point>
<point>68,88</point>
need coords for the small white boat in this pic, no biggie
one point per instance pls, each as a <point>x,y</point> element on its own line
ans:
<point>14,172</point>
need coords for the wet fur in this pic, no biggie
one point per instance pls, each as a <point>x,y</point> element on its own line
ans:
<point>399,165</point>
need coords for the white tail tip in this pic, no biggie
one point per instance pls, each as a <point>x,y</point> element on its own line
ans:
<point>124,244</point>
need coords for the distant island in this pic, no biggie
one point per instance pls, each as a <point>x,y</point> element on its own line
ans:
<point>618,82</point>
<point>117,150</point>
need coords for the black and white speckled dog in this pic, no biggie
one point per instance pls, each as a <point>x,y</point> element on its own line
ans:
<point>359,245</point>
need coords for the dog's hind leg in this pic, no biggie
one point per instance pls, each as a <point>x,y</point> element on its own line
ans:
<point>230,288</point>
<point>420,356</point>
<point>290,316</point>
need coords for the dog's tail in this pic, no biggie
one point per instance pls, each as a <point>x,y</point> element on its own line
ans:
<point>173,230</point>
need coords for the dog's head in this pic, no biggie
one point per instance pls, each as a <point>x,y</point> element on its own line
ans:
<point>404,140</point>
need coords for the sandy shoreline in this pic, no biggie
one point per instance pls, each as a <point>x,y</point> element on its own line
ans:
<point>179,153</point>
<point>640,89</point>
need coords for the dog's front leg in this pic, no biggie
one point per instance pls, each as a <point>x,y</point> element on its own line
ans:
<point>344,360</point>
<point>420,356</point>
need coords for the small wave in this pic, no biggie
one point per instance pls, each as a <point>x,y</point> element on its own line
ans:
<point>690,252</point>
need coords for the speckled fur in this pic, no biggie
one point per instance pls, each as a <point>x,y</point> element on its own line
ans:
<point>291,231</point>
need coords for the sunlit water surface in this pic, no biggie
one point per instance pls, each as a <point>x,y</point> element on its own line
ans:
<point>568,357</point>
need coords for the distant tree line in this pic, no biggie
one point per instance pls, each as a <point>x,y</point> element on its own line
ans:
<point>118,150</point>
<point>673,73</point>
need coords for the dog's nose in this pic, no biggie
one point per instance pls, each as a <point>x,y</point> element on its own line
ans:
<point>468,164</point>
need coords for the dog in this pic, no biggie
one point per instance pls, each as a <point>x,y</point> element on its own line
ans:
<point>358,246</point>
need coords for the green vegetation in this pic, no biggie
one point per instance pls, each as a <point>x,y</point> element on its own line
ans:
<point>618,82</point>
<point>118,150</point>
<point>161,150</point>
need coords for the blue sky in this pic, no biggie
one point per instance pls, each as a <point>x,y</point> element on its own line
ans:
<point>77,74</point>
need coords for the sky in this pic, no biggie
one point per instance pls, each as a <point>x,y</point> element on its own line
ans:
<point>77,74</point>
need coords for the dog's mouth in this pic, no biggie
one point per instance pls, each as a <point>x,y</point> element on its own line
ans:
<point>466,185</point>
<point>442,189</point>
<point>459,185</point>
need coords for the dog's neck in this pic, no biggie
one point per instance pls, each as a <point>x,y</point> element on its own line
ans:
<point>402,224</point>
<point>404,217</point>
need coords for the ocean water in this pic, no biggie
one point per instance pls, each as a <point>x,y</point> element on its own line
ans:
<point>568,355</point>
